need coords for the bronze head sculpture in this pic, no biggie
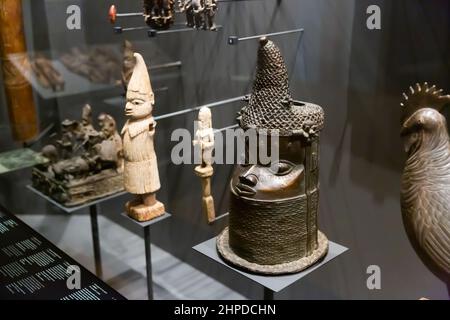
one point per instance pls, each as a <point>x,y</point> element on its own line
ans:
<point>273,207</point>
<point>425,195</point>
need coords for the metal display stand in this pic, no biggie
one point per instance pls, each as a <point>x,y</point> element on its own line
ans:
<point>148,250</point>
<point>270,284</point>
<point>94,210</point>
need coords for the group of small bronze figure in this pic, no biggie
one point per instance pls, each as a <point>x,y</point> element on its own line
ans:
<point>84,163</point>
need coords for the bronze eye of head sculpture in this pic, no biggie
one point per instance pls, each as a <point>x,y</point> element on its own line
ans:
<point>425,194</point>
<point>283,179</point>
<point>273,206</point>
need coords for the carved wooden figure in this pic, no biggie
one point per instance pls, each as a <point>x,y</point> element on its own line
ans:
<point>204,145</point>
<point>210,13</point>
<point>141,175</point>
<point>425,195</point>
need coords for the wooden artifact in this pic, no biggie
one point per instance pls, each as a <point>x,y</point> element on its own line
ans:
<point>83,164</point>
<point>19,95</point>
<point>273,208</point>
<point>141,175</point>
<point>425,194</point>
<point>204,145</point>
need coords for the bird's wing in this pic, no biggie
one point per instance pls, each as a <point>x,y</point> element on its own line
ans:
<point>435,237</point>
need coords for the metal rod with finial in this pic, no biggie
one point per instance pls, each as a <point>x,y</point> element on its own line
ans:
<point>113,14</point>
<point>233,40</point>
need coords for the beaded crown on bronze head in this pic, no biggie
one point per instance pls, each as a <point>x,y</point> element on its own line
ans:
<point>270,106</point>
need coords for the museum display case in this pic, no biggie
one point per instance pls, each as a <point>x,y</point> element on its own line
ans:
<point>224,150</point>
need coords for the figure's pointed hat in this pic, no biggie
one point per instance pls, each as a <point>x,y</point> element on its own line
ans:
<point>270,106</point>
<point>140,84</point>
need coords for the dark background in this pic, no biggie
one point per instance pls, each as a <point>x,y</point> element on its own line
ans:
<point>357,75</point>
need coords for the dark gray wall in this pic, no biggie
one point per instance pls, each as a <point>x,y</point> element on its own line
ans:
<point>357,76</point>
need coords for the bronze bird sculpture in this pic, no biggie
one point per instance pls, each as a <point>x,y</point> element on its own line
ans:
<point>425,194</point>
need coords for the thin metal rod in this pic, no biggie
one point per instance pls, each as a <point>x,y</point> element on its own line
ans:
<point>268,294</point>
<point>130,14</point>
<point>209,105</point>
<point>226,128</point>
<point>166,65</point>
<point>153,33</point>
<point>235,39</point>
<point>148,262</point>
<point>118,30</point>
<point>93,210</point>
<point>221,216</point>
<point>161,89</point>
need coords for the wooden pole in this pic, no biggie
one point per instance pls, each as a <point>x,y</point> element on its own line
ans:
<point>19,95</point>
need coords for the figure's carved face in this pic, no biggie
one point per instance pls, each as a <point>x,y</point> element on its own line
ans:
<point>280,180</point>
<point>204,119</point>
<point>138,107</point>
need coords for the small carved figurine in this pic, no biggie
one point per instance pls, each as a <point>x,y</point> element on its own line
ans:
<point>210,13</point>
<point>141,175</point>
<point>159,14</point>
<point>425,195</point>
<point>204,145</point>
<point>273,208</point>
<point>198,9</point>
<point>199,13</point>
<point>84,164</point>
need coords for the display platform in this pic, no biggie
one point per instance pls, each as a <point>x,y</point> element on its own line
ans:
<point>94,209</point>
<point>74,84</point>
<point>273,283</point>
<point>76,208</point>
<point>148,248</point>
<point>31,267</point>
